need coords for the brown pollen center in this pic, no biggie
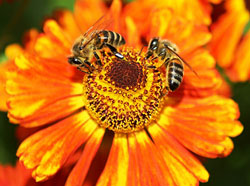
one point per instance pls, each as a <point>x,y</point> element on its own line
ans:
<point>125,74</point>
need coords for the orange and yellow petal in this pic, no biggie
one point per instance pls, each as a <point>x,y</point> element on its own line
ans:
<point>227,32</point>
<point>116,169</point>
<point>156,166</point>
<point>86,13</point>
<point>153,169</point>
<point>240,68</point>
<point>50,90</point>
<point>167,143</point>
<point>19,175</point>
<point>79,172</point>
<point>203,125</point>
<point>165,20</point>
<point>11,52</point>
<point>178,30</point>
<point>4,96</point>
<point>67,22</point>
<point>47,150</point>
<point>56,92</point>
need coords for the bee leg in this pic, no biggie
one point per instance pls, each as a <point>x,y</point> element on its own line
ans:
<point>98,59</point>
<point>114,51</point>
<point>148,54</point>
<point>89,64</point>
<point>164,92</point>
<point>166,62</point>
<point>85,66</point>
<point>162,53</point>
<point>151,66</point>
<point>83,70</point>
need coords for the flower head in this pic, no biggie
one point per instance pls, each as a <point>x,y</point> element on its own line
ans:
<point>154,136</point>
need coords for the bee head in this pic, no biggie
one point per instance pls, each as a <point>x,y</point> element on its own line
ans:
<point>154,43</point>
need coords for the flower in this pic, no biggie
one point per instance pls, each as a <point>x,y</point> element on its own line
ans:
<point>229,46</point>
<point>154,137</point>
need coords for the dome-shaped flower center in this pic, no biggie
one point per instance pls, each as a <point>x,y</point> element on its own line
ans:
<point>126,75</point>
<point>123,95</point>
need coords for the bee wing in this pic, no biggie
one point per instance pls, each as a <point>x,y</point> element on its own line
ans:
<point>101,24</point>
<point>189,66</point>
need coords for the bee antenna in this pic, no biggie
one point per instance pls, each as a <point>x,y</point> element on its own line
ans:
<point>141,50</point>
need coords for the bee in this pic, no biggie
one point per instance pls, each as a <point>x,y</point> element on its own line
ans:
<point>87,46</point>
<point>166,52</point>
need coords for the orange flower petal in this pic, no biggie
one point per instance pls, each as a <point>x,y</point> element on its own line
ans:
<point>135,171</point>
<point>240,69</point>
<point>190,10</point>
<point>80,170</point>
<point>57,34</point>
<point>161,168</point>
<point>12,51</point>
<point>209,138</point>
<point>116,169</point>
<point>199,59</point>
<point>14,176</point>
<point>87,13</point>
<point>166,142</point>
<point>132,35</point>
<point>58,109</point>
<point>179,173</point>
<point>46,151</point>
<point>227,32</point>
<point>4,67</point>
<point>29,39</point>
<point>24,82</point>
<point>153,170</point>
<point>178,30</point>
<point>46,48</point>
<point>67,22</point>
<point>115,12</point>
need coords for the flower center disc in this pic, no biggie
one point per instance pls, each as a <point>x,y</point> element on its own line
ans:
<point>123,95</point>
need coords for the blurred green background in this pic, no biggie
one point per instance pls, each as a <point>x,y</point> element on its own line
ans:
<point>21,15</point>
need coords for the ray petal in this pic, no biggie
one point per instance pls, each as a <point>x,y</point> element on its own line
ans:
<point>116,170</point>
<point>58,141</point>
<point>166,142</point>
<point>79,172</point>
<point>203,125</point>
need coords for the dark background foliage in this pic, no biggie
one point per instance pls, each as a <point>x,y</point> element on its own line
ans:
<point>21,15</point>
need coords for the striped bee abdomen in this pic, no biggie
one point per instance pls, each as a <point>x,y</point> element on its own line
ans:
<point>111,38</point>
<point>174,73</point>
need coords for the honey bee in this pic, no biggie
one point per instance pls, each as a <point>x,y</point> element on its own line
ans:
<point>166,52</point>
<point>86,47</point>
